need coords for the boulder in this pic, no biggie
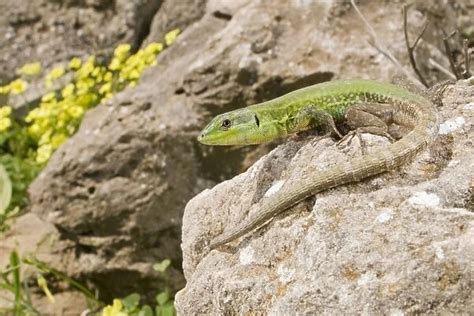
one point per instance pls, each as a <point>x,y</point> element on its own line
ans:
<point>401,242</point>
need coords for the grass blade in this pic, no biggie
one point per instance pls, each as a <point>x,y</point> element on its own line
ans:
<point>5,189</point>
<point>15,266</point>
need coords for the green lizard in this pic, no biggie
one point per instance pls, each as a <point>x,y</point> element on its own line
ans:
<point>366,106</point>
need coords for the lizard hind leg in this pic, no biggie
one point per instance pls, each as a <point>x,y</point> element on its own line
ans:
<point>372,118</point>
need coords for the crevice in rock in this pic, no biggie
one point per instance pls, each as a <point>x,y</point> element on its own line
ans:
<point>142,27</point>
<point>85,249</point>
<point>469,201</point>
<point>222,15</point>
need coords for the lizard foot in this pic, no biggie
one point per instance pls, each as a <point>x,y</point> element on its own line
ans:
<point>349,137</point>
<point>358,133</point>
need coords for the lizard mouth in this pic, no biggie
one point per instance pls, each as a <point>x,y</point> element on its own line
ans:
<point>206,139</point>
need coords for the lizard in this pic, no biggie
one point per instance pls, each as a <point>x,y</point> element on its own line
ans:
<point>365,105</point>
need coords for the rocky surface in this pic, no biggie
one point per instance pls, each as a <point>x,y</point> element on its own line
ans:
<point>116,191</point>
<point>53,31</point>
<point>402,242</point>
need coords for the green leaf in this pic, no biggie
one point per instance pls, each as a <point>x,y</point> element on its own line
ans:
<point>131,301</point>
<point>5,189</point>
<point>162,298</point>
<point>146,311</point>
<point>165,310</point>
<point>162,266</point>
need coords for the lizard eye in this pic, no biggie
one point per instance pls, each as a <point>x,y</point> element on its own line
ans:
<point>226,123</point>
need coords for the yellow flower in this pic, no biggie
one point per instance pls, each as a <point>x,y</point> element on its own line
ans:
<point>31,69</point>
<point>5,123</point>
<point>34,131</point>
<point>122,51</point>
<point>170,37</point>
<point>97,71</point>
<point>154,48</point>
<point>31,116</point>
<point>134,74</point>
<point>150,60</point>
<point>5,111</point>
<point>75,111</point>
<point>114,310</point>
<point>75,63</point>
<point>45,137</point>
<point>56,73</point>
<point>44,153</point>
<point>86,68</point>
<point>5,89</point>
<point>68,90</point>
<point>115,64</point>
<point>48,97</point>
<point>108,96</point>
<point>18,86</point>
<point>85,84</point>
<point>108,76</point>
<point>63,118</point>
<point>58,139</point>
<point>106,88</point>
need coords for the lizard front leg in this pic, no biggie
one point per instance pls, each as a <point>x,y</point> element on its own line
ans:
<point>314,119</point>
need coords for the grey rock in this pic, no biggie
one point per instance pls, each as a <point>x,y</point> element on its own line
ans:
<point>401,242</point>
<point>55,31</point>
<point>115,192</point>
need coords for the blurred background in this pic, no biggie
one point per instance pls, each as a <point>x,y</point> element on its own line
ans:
<point>100,105</point>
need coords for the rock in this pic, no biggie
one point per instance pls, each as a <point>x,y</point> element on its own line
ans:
<point>19,236</point>
<point>55,31</point>
<point>115,192</point>
<point>401,242</point>
<point>65,303</point>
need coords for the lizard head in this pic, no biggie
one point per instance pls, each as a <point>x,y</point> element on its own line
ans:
<point>239,127</point>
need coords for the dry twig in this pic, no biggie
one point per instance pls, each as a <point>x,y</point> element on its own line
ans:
<point>466,73</point>
<point>449,53</point>
<point>441,68</point>
<point>411,48</point>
